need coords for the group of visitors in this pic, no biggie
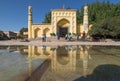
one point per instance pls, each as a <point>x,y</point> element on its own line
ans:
<point>78,37</point>
<point>68,37</point>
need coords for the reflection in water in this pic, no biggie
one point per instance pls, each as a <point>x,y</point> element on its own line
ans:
<point>14,48</point>
<point>106,72</point>
<point>63,60</point>
<point>37,53</point>
<point>14,63</point>
<point>75,63</point>
<point>65,63</point>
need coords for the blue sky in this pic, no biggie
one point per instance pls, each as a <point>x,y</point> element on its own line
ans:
<point>13,13</point>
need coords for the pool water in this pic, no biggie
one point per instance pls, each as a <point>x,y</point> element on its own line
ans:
<point>60,63</point>
<point>14,63</point>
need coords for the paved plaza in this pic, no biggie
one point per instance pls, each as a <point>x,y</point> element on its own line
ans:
<point>39,43</point>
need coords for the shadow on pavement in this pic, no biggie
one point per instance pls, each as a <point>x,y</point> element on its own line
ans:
<point>37,74</point>
<point>103,73</point>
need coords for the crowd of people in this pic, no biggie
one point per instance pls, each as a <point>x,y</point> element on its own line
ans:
<point>68,37</point>
<point>78,37</point>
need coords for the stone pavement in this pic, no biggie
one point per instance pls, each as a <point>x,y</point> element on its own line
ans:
<point>56,43</point>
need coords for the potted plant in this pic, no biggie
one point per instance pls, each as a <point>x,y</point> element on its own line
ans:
<point>52,34</point>
<point>74,34</point>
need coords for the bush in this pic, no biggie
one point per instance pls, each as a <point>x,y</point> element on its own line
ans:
<point>52,34</point>
<point>74,34</point>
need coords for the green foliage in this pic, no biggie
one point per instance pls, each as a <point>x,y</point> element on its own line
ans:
<point>109,28</point>
<point>68,8</point>
<point>52,34</point>
<point>99,11</point>
<point>105,18</point>
<point>23,30</point>
<point>69,33</point>
<point>74,34</point>
<point>80,16</point>
<point>53,49</point>
<point>47,18</point>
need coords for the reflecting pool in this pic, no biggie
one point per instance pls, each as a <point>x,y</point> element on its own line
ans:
<point>60,63</point>
<point>14,63</point>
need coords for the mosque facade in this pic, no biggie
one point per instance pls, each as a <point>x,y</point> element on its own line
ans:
<point>63,21</point>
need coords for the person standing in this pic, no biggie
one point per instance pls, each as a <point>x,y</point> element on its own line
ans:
<point>58,36</point>
<point>78,37</point>
<point>83,35</point>
<point>43,38</point>
<point>66,36</point>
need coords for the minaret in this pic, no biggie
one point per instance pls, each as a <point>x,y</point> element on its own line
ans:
<point>85,19</point>
<point>29,22</point>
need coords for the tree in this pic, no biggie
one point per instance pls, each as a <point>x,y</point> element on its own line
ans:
<point>47,18</point>
<point>108,28</point>
<point>79,16</point>
<point>105,18</point>
<point>23,30</point>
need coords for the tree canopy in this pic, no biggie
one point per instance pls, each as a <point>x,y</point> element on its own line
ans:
<point>109,28</point>
<point>47,18</point>
<point>99,11</point>
<point>105,18</point>
<point>23,30</point>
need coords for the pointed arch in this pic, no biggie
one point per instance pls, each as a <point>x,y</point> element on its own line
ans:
<point>63,23</point>
<point>63,57</point>
<point>63,27</point>
<point>37,32</point>
<point>46,31</point>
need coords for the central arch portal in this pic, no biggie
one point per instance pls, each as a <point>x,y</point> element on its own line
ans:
<point>63,27</point>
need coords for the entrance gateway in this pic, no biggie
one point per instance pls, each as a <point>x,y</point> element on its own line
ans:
<point>63,27</point>
<point>63,31</point>
<point>63,22</point>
